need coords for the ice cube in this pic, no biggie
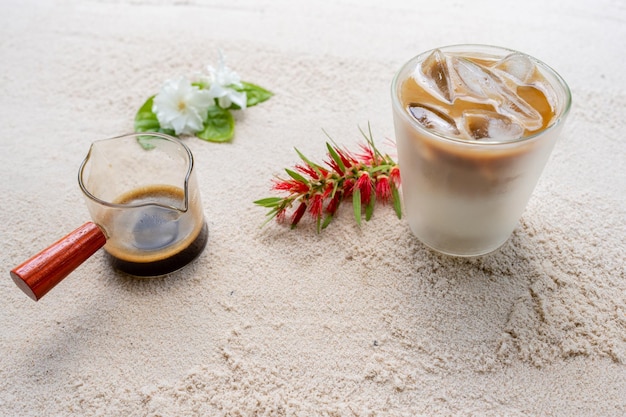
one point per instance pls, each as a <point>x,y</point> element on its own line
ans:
<point>515,107</point>
<point>433,119</point>
<point>481,84</point>
<point>436,74</point>
<point>517,65</point>
<point>473,80</point>
<point>484,124</point>
<point>540,95</point>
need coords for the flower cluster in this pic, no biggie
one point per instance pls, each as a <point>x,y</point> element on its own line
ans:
<point>365,177</point>
<point>200,107</point>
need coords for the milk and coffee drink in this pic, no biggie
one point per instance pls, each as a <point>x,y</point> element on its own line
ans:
<point>475,126</point>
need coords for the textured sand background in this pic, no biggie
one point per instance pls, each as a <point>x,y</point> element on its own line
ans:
<point>274,322</point>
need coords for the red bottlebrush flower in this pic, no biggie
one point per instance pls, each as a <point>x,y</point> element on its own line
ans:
<point>383,188</point>
<point>297,215</point>
<point>333,205</point>
<point>368,156</point>
<point>292,186</point>
<point>306,169</point>
<point>315,173</point>
<point>330,186</point>
<point>334,166</point>
<point>347,159</point>
<point>280,215</point>
<point>366,177</point>
<point>348,187</point>
<point>364,184</point>
<point>317,203</point>
<point>394,174</point>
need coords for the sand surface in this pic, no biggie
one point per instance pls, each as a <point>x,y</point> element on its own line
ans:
<point>278,322</point>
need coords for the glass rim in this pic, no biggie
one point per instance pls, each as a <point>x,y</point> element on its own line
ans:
<point>469,48</point>
<point>190,164</point>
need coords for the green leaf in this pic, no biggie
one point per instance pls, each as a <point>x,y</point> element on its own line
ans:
<point>369,209</point>
<point>146,121</point>
<point>313,165</point>
<point>378,168</point>
<point>296,176</point>
<point>219,125</point>
<point>356,205</point>
<point>327,220</point>
<point>370,139</point>
<point>269,202</point>
<point>397,204</point>
<point>254,94</point>
<point>270,216</point>
<point>201,85</point>
<point>333,154</point>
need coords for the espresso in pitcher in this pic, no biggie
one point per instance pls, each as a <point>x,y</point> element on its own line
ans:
<point>152,236</point>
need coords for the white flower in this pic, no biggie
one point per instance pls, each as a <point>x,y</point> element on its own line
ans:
<point>181,106</point>
<point>222,80</point>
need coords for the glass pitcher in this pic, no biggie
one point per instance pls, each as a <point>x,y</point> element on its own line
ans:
<point>143,198</point>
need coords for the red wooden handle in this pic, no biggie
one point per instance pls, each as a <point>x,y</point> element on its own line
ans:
<point>42,272</point>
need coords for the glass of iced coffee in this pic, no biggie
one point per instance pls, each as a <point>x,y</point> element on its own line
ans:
<point>475,126</point>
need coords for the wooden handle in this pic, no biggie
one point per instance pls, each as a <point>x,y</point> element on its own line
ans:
<point>42,272</point>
